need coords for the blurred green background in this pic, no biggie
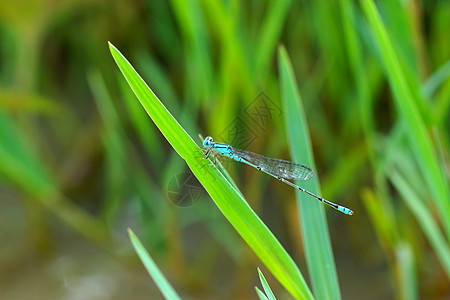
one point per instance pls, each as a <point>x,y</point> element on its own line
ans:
<point>80,161</point>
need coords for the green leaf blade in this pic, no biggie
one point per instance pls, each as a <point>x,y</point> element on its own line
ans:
<point>266,286</point>
<point>158,277</point>
<point>319,256</point>
<point>408,110</point>
<point>225,196</point>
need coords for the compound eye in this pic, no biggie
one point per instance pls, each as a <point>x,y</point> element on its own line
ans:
<point>208,141</point>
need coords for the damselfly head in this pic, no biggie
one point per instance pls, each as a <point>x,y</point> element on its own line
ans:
<point>208,142</point>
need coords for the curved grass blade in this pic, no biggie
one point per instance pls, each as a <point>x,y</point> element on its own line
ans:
<point>408,110</point>
<point>425,220</point>
<point>22,167</point>
<point>152,269</point>
<point>260,294</point>
<point>319,256</point>
<point>436,80</point>
<point>266,286</point>
<point>114,147</point>
<point>225,196</point>
<point>270,33</point>
<point>406,271</point>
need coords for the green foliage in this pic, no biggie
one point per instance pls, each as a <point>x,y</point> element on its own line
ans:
<point>152,269</point>
<point>229,201</point>
<point>319,256</point>
<point>360,92</point>
<point>268,292</point>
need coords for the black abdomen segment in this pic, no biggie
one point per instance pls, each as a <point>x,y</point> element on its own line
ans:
<point>340,208</point>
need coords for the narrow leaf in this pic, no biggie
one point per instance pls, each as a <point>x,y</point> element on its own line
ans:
<point>152,269</point>
<point>266,286</point>
<point>319,256</point>
<point>225,196</point>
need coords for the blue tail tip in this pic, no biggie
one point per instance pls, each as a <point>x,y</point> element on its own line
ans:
<point>345,210</point>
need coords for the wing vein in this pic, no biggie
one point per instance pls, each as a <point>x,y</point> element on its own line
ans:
<point>279,167</point>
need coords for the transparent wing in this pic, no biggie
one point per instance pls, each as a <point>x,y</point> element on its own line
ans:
<point>283,168</point>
